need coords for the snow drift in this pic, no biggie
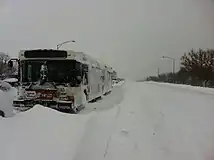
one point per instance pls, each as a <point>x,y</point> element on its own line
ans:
<point>41,134</point>
<point>7,94</point>
<point>186,87</point>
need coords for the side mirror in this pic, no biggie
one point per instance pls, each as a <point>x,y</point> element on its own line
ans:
<point>10,64</point>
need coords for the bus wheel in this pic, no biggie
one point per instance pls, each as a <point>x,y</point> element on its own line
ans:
<point>74,109</point>
<point>2,113</point>
<point>86,95</point>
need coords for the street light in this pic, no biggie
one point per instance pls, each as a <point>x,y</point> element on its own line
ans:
<point>173,62</point>
<point>61,44</point>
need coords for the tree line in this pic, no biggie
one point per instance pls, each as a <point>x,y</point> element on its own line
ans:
<point>197,68</point>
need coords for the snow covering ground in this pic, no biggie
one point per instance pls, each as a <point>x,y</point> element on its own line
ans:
<point>41,133</point>
<point>136,121</point>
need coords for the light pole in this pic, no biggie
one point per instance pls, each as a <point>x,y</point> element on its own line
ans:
<point>61,44</point>
<point>173,62</point>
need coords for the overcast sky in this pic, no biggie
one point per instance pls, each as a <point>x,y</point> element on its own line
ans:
<point>130,35</point>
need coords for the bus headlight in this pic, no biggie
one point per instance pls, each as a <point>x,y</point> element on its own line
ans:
<point>67,98</point>
<point>71,98</point>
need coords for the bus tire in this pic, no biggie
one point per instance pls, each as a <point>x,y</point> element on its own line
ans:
<point>73,110</point>
<point>86,95</point>
<point>2,113</point>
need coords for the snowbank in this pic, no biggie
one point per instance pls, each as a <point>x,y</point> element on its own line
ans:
<point>41,134</point>
<point>6,99</point>
<point>187,87</point>
<point>4,86</point>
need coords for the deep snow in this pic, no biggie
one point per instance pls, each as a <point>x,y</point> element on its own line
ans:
<point>7,94</point>
<point>137,121</point>
<point>41,134</point>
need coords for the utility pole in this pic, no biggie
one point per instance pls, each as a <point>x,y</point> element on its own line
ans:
<point>61,44</point>
<point>173,66</point>
<point>173,63</point>
<point>158,72</point>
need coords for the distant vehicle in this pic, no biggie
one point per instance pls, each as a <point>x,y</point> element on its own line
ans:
<point>60,79</point>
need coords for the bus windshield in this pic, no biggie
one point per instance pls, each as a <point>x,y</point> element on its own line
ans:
<point>58,71</point>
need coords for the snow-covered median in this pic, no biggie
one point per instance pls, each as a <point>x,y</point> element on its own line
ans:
<point>187,87</point>
<point>41,134</point>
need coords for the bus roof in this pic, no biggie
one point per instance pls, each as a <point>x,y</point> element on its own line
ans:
<point>52,54</point>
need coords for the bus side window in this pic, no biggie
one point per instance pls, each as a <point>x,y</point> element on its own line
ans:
<point>85,78</point>
<point>85,73</point>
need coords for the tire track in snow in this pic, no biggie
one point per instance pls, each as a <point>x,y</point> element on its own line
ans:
<point>159,123</point>
<point>98,129</point>
<point>109,138</point>
<point>106,150</point>
<point>125,137</point>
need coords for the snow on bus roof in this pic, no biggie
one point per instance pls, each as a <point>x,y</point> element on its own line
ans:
<point>78,56</point>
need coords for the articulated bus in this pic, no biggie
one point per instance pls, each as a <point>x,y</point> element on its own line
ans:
<point>60,79</point>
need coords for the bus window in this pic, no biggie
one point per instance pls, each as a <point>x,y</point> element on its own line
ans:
<point>85,79</point>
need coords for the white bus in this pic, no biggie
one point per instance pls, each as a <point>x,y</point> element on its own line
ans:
<point>59,79</point>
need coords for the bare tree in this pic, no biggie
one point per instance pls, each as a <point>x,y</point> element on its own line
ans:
<point>199,64</point>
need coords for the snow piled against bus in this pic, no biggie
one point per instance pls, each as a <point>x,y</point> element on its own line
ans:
<point>7,94</point>
<point>41,133</point>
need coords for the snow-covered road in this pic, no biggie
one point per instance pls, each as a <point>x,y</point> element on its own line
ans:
<point>136,121</point>
<point>153,122</point>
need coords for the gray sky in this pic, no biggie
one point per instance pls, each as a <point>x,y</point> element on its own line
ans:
<point>130,35</point>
